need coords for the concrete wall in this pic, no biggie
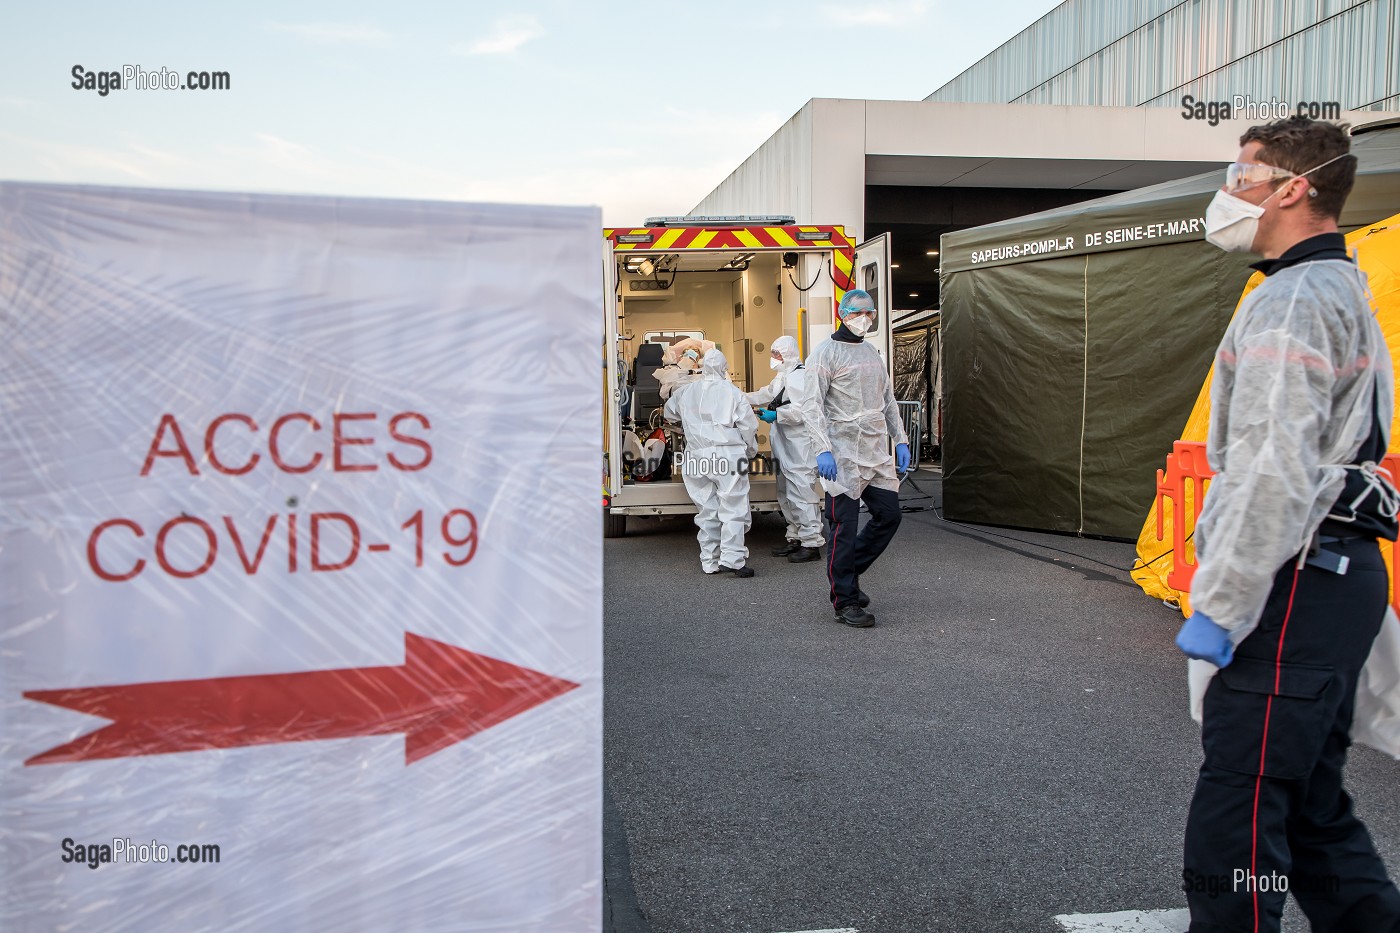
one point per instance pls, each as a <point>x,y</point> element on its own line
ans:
<point>1028,131</point>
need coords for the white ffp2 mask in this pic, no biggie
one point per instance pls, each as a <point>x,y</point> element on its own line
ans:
<point>859,324</point>
<point>1232,223</point>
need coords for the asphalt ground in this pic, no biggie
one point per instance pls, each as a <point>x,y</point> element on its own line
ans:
<point>1010,742</point>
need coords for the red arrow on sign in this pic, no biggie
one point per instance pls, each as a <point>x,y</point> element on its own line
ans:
<point>439,696</point>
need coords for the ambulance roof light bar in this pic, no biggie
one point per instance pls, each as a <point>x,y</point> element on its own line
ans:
<point>723,220</point>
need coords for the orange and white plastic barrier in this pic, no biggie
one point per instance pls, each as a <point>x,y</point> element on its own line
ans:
<point>1184,483</point>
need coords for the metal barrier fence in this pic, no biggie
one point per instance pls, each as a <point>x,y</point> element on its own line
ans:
<point>912,414</point>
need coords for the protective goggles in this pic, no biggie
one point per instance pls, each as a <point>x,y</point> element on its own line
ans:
<point>1241,175</point>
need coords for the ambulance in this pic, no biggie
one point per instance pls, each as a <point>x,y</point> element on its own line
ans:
<point>738,282</point>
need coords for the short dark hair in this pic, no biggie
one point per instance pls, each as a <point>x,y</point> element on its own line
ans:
<point>1298,144</point>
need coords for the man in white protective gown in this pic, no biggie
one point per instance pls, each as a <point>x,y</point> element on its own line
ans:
<point>853,417</point>
<point>721,437</point>
<point>1290,595</point>
<point>781,403</point>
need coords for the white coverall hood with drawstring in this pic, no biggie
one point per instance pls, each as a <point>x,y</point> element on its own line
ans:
<point>720,431</point>
<point>1296,376</point>
<point>796,480</point>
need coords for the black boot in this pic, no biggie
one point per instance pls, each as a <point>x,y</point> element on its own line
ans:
<point>787,548</point>
<point>855,617</point>
<point>804,554</point>
<point>737,571</point>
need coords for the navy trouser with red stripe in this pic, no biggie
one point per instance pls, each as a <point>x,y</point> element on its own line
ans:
<point>1269,814</point>
<point>852,553</point>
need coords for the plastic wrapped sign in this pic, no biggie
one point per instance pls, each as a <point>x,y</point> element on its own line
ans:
<point>300,599</point>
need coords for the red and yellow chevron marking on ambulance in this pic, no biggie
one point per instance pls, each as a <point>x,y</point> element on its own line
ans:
<point>796,236</point>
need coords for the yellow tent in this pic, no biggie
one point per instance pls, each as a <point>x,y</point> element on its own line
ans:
<point>1378,252</point>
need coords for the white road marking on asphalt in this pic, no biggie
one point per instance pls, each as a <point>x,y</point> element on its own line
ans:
<point>841,930</point>
<point>1127,921</point>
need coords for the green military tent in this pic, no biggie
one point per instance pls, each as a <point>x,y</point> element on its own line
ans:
<point>1075,342</point>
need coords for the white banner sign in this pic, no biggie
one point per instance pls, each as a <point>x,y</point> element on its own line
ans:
<point>300,563</point>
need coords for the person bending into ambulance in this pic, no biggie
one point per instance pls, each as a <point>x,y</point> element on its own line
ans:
<point>852,415</point>
<point>721,441</point>
<point>798,493</point>
<point>1290,590</point>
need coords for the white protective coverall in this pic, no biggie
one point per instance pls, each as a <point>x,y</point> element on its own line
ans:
<point>799,495</point>
<point>1292,394</point>
<point>851,411</point>
<point>720,431</point>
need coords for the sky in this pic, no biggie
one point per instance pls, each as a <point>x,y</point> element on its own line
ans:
<point>641,108</point>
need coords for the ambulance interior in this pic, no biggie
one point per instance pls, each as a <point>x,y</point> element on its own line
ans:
<point>735,299</point>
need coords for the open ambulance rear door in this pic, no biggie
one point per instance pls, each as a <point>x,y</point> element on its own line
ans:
<point>614,526</point>
<point>872,273</point>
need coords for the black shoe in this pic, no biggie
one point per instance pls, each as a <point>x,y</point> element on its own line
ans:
<point>787,548</point>
<point>855,617</point>
<point>737,571</point>
<point>804,554</point>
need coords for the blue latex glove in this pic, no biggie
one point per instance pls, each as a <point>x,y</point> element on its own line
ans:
<point>826,465</point>
<point>768,415</point>
<point>1202,639</point>
<point>901,457</point>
